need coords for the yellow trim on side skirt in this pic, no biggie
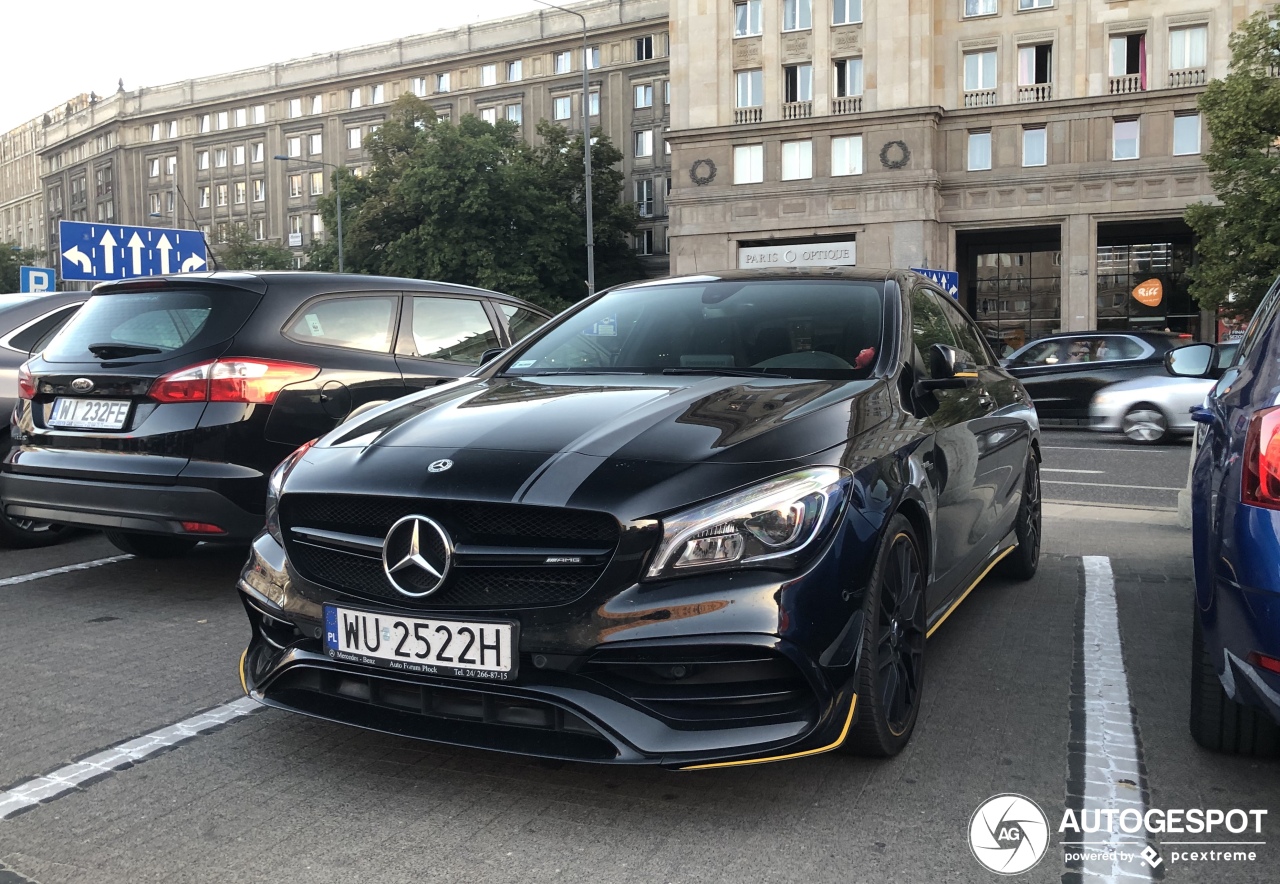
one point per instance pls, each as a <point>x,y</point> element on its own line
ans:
<point>745,761</point>
<point>965,374</point>
<point>965,595</point>
<point>244,686</point>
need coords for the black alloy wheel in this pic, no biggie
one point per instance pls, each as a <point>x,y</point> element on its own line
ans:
<point>151,546</point>
<point>891,672</point>
<point>20,533</point>
<point>1022,563</point>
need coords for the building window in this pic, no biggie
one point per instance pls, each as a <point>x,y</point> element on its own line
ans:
<point>846,155</point>
<point>378,94</point>
<point>746,18</point>
<point>1186,134</point>
<point>295,224</point>
<point>980,71</point>
<point>241,117</point>
<point>797,160</point>
<point>155,131</point>
<point>353,139</point>
<point>1124,140</point>
<point>644,95</point>
<point>295,108</point>
<point>222,194</point>
<point>1035,72</point>
<point>979,7</point>
<point>593,57</point>
<point>1128,63</point>
<point>846,12</point>
<point>295,185</point>
<point>155,204</point>
<point>259,190</point>
<point>222,120</point>
<point>1035,4</point>
<point>562,107</point>
<point>202,160</point>
<point>666,92</point>
<point>420,87</point>
<point>202,124</point>
<point>644,197</point>
<point>644,48</point>
<point>488,75</point>
<point>293,145</point>
<point>797,82</point>
<point>644,242</point>
<point>317,183</point>
<point>979,151</point>
<point>797,15</point>
<point>317,225</point>
<point>562,62</point>
<point>1035,147</point>
<point>1188,47</point>
<point>170,165</point>
<point>237,155</point>
<point>315,144</point>
<point>258,151</point>
<point>515,114</point>
<point>354,98</point>
<point>748,164</point>
<point>489,115</point>
<point>644,143</point>
<point>442,82</point>
<point>259,114</point>
<point>202,199</point>
<point>153,168</point>
<point>848,77</point>
<point>220,158</point>
<point>259,229</point>
<point>317,104</point>
<point>241,191</point>
<point>515,71</point>
<point>750,88</point>
<point>594,104</point>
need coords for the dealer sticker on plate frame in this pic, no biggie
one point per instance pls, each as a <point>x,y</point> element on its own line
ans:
<point>474,649</point>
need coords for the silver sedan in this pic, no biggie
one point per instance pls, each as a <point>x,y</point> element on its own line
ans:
<point>1149,409</point>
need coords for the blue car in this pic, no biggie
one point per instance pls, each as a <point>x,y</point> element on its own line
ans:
<point>1235,687</point>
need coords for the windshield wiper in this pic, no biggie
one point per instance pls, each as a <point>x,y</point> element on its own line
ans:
<point>730,372</point>
<point>563,371</point>
<point>121,351</point>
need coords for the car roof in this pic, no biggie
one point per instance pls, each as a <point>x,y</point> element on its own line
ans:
<point>861,274</point>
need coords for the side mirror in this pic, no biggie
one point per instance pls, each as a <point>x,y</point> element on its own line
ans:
<point>1192,361</point>
<point>949,370</point>
<point>491,354</point>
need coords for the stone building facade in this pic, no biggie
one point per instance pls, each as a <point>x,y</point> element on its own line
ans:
<point>1043,149</point>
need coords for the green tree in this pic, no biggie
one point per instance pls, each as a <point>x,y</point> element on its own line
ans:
<point>241,252</point>
<point>13,257</point>
<point>1239,238</point>
<point>473,203</point>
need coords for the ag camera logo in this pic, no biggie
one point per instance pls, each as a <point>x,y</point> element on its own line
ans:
<point>1008,834</point>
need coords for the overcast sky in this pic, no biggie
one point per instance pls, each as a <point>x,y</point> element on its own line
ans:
<point>51,53</point>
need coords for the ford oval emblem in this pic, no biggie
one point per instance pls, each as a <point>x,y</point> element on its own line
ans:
<point>82,385</point>
<point>439,466</point>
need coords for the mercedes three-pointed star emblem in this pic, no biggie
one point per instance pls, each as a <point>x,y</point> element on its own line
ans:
<point>416,556</point>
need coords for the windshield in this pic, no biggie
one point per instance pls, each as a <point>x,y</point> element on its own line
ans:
<point>793,328</point>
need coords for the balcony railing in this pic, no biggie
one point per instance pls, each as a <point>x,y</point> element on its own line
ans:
<point>1127,83</point>
<point>748,114</point>
<point>980,98</point>
<point>1188,77</point>
<point>797,110</point>
<point>849,104</point>
<point>1035,92</point>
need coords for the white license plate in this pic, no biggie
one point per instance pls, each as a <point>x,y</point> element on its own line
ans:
<point>453,648</point>
<point>89,414</point>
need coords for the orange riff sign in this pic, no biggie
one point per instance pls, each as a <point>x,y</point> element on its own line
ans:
<point>1149,293</point>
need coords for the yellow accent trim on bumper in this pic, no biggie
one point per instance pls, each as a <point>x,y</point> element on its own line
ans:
<point>244,685</point>
<point>745,761</point>
<point>965,594</point>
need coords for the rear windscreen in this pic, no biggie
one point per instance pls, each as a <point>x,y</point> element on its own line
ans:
<point>151,326</point>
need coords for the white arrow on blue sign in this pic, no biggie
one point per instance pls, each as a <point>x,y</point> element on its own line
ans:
<point>95,252</point>
<point>947,280</point>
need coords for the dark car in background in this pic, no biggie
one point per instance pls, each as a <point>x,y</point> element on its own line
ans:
<point>1062,372</point>
<point>1235,522</point>
<point>27,322</point>
<point>697,522</point>
<point>158,412</point>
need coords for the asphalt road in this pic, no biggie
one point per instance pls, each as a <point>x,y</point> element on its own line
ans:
<point>93,658</point>
<point>1081,466</point>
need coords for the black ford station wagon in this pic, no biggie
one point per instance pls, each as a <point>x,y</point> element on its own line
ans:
<point>697,522</point>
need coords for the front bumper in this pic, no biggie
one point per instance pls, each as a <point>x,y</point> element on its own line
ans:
<point>121,506</point>
<point>564,705</point>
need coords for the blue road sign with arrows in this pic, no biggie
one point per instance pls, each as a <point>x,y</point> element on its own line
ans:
<point>949,280</point>
<point>96,252</point>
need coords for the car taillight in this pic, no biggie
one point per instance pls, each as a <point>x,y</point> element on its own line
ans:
<point>251,381</point>
<point>26,383</point>
<point>1260,482</point>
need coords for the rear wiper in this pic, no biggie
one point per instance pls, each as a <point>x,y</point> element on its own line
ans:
<point>121,351</point>
<point>730,372</point>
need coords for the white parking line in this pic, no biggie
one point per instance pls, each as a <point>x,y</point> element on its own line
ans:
<point>1060,470</point>
<point>64,780</point>
<point>65,569</point>
<point>1112,764</point>
<point>1109,485</point>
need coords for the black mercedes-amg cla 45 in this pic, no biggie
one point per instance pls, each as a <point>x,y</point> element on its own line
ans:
<point>700,522</point>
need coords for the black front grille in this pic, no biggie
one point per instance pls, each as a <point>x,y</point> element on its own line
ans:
<point>505,528</point>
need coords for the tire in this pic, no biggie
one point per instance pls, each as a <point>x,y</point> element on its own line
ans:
<point>1024,561</point>
<point>890,678</point>
<point>151,546</point>
<point>1219,723</point>
<point>18,533</point>
<point>1145,424</point>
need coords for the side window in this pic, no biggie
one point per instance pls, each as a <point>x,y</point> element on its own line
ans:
<point>1044,353</point>
<point>1115,348</point>
<point>36,335</point>
<point>929,326</point>
<point>967,337</point>
<point>520,321</point>
<point>451,329</point>
<point>356,323</point>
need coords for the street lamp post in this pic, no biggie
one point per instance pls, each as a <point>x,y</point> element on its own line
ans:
<point>337,187</point>
<point>586,148</point>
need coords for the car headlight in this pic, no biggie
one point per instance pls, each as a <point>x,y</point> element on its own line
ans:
<point>766,525</point>
<point>275,485</point>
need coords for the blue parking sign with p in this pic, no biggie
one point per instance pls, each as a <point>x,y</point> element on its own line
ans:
<point>37,279</point>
